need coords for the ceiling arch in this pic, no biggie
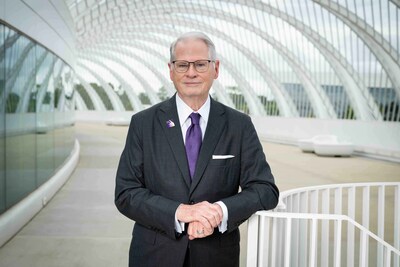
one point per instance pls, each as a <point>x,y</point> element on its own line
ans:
<point>102,25</point>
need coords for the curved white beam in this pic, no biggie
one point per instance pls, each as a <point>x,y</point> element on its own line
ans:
<point>373,39</point>
<point>79,102</point>
<point>255,106</point>
<point>113,57</point>
<point>322,105</point>
<point>133,98</point>
<point>111,45</point>
<point>111,94</point>
<point>221,93</point>
<point>284,101</point>
<point>359,96</point>
<point>96,100</point>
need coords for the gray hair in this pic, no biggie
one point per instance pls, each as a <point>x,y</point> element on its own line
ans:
<point>196,36</point>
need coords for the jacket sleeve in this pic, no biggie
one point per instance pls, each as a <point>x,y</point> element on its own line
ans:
<point>258,189</point>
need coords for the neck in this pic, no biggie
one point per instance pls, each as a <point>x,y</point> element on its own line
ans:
<point>195,103</point>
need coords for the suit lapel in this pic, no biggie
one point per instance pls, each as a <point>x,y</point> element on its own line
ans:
<point>215,125</point>
<point>174,136</point>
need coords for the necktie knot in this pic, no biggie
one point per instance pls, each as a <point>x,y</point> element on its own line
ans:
<point>195,117</point>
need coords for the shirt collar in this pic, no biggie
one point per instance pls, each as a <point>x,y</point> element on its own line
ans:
<point>184,110</point>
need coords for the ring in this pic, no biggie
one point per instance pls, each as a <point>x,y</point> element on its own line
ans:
<point>200,232</point>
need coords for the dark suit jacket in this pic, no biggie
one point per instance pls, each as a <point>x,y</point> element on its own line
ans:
<point>153,179</point>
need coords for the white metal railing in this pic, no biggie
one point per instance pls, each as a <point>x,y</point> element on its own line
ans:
<point>297,239</point>
<point>358,222</point>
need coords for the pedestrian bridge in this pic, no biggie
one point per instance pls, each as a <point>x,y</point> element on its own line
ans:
<point>80,226</point>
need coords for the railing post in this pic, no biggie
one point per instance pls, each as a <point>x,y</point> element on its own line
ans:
<point>396,230</point>
<point>252,241</point>
<point>338,200</point>
<point>301,234</point>
<point>325,228</point>
<point>338,244</point>
<point>365,222</point>
<point>381,223</point>
<point>363,249</point>
<point>387,258</point>
<point>274,242</point>
<point>263,244</point>
<point>350,228</point>
<point>288,233</point>
<point>313,245</point>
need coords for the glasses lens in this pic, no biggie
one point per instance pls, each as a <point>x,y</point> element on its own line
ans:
<point>181,66</point>
<point>201,65</point>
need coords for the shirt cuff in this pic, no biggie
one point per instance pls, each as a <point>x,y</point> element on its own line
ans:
<point>179,226</point>
<point>223,226</point>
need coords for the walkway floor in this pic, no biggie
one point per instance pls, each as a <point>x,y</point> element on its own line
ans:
<point>81,226</point>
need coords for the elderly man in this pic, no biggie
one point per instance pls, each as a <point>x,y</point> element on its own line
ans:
<point>182,166</point>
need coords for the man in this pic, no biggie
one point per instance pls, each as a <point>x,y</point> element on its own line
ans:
<point>182,166</point>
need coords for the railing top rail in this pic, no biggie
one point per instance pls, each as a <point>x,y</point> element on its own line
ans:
<point>334,186</point>
<point>331,217</point>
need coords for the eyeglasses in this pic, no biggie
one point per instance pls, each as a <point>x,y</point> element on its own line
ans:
<point>182,66</point>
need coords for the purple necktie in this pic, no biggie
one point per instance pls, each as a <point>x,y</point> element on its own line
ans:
<point>193,142</point>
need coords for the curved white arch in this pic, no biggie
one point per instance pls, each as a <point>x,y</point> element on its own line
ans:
<point>96,100</point>
<point>115,100</point>
<point>133,99</point>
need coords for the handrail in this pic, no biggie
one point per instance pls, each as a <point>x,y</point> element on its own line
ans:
<point>263,250</point>
<point>312,209</point>
<point>333,186</point>
<point>318,199</point>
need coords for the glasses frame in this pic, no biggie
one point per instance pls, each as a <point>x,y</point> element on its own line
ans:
<point>194,65</point>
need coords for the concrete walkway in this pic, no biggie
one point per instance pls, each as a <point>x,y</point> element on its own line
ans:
<point>81,226</point>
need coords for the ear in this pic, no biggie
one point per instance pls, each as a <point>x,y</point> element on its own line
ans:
<point>216,68</point>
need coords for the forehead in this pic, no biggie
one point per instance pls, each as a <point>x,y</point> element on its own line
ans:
<point>191,48</point>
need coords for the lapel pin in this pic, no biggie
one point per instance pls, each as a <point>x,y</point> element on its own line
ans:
<point>170,124</point>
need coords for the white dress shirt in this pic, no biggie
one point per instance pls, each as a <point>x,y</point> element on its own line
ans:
<point>183,113</point>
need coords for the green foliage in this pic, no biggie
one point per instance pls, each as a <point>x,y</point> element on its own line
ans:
<point>349,114</point>
<point>57,95</point>
<point>144,99</point>
<point>85,96</point>
<point>390,110</point>
<point>32,103</point>
<point>163,94</point>
<point>270,106</point>
<point>125,100</point>
<point>103,96</point>
<point>12,103</point>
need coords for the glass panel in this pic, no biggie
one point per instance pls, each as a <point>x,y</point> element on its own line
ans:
<point>20,145</point>
<point>64,131</point>
<point>2,124</point>
<point>36,90</point>
<point>45,115</point>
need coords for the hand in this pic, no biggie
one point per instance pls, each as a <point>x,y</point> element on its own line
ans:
<point>207,214</point>
<point>197,230</point>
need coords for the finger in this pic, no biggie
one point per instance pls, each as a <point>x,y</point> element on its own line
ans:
<point>208,232</point>
<point>210,213</point>
<point>195,228</point>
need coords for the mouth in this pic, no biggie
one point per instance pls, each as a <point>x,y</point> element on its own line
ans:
<point>192,83</point>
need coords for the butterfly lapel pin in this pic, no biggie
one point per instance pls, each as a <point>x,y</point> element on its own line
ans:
<point>170,124</point>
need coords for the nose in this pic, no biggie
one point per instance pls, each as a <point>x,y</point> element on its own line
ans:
<point>191,71</point>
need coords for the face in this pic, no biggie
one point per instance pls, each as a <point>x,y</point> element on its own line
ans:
<point>193,85</point>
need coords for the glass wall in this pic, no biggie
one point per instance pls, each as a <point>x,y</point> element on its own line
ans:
<point>36,118</point>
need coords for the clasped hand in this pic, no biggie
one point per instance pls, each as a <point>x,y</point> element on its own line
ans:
<point>202,217</point>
